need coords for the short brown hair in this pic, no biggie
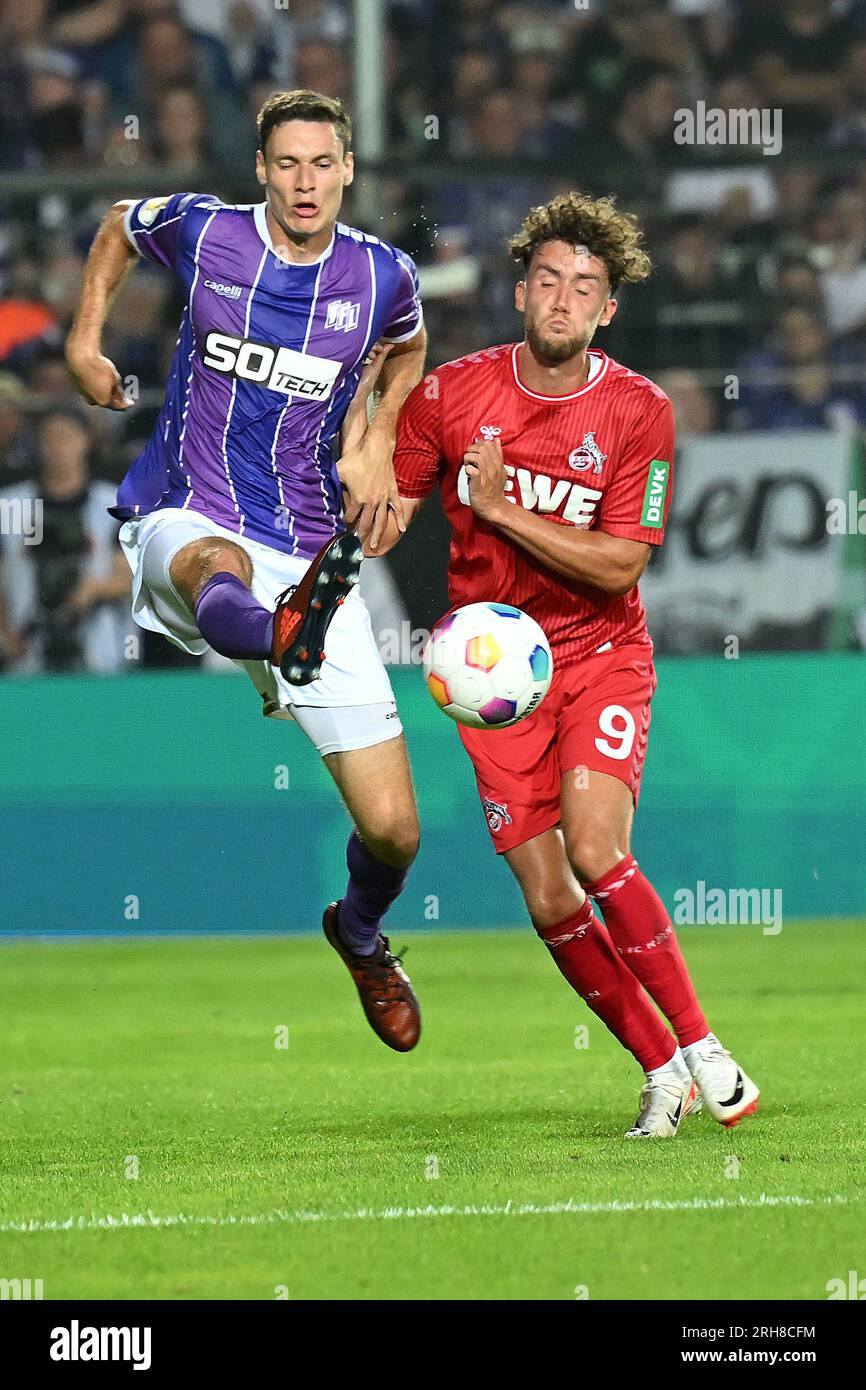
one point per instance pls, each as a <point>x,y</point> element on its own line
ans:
<point>596,223</point>
<point>303,105</point>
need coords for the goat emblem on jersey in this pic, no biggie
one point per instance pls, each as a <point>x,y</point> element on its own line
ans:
<point>588,454</point>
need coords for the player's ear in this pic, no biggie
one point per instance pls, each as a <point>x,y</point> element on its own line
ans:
<point>348,168</point>
<point>520,296</point>
<point>607,313</point>
<point>261,173</point>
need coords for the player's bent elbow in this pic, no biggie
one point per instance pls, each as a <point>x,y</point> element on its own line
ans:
<point>622,581</point>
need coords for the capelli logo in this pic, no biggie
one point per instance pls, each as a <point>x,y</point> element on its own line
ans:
<point>77,1343</point>
<point>227,291</point>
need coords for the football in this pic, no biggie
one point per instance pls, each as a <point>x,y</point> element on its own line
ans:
<point>487,665</point>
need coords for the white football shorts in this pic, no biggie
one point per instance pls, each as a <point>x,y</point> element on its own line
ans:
<point>352,703</point>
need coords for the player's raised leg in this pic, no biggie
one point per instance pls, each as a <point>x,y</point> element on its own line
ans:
<point>563,918</point>
<point>213,577</point>
<point>376,785</point>
<point>597,816</point>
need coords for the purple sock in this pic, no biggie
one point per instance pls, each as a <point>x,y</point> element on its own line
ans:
<point>373,886</point>
<point>232,621</point>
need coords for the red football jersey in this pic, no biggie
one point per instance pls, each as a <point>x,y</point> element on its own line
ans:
<point>599,458</point>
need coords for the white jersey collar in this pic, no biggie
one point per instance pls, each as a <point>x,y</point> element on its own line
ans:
<point>260,211</point>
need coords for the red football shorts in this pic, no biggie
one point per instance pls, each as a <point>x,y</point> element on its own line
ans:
<point>596,715</point>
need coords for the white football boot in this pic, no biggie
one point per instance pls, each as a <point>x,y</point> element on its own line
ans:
<point>727,1092</point>
<point>665,1101</point>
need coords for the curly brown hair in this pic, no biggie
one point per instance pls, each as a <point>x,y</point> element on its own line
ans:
<point>596,223</point>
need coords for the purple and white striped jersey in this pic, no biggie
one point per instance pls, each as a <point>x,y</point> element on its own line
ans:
<point>267,361</point>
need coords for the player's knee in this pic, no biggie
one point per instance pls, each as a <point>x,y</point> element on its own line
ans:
<point>548,906</point>
<point>396,842</point>
<point>592,855</point>
<point>197,562</point>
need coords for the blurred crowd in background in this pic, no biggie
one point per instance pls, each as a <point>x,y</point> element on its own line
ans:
<point>755,317</point>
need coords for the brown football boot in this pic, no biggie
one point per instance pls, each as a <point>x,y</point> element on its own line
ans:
<point>304,612</point>
<point>386,992</point>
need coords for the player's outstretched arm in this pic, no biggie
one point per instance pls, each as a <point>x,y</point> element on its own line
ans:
<point>355,420</point>
<point>355,426</point>
<point>111,258</point>
<point>366,471</point>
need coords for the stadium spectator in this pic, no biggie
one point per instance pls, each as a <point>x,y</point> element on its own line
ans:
<point>22,32</point>
<point>64,601</point>
<point>849,128</point>
<point>795,52</point>
<point>46,374</point>
<point>169,53</point>
<point>247,30</point>
<point>664,39</point>
<point>699,314</point>
<point>474,73</point>
<point>797,285</point>
<point>605,48</point>
<point>56,102</point>
<point>800,380</point>
<point>84,23</point>
<point>26,321</point>
<point>484,214</point>
<point>640,137</point>
<point>797,194</point>
<point>473,24</point>
<point>321,67</point>
<point>844,277</point>
<point>17,444</point>
<point>695,406</point>
<point>182,142</point>
<point>552,124</point>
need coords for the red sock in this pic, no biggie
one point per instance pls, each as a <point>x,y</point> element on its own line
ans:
<point>586,957</point>
<point>643,934</point>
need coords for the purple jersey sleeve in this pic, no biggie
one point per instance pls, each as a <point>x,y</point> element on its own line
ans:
<point>154,225</point>
<point>406,316</point>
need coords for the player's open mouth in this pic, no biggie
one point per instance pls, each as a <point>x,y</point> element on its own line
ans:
<point>305,209</point>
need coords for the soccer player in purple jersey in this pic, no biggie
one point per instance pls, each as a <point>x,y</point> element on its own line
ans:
<point>236,511</point>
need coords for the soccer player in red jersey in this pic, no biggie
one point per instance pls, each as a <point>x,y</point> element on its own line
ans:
<point>554,463</point>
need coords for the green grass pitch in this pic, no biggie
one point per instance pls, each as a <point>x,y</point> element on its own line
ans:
<point>310,1172</point>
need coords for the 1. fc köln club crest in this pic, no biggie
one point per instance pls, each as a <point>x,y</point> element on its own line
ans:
<point>496,813</point>
<point>588,455</point>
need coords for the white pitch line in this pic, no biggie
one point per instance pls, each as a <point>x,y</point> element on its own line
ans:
<point>152,1220</point>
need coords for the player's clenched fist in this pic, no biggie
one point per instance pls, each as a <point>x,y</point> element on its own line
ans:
<point>96,378</point>
<point>485,469</point>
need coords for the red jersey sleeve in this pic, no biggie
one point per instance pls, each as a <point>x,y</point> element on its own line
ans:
<point>637,502</point>
<point>418,450</point>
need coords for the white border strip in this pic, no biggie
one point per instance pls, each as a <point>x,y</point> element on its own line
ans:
<point>153,1220</point>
